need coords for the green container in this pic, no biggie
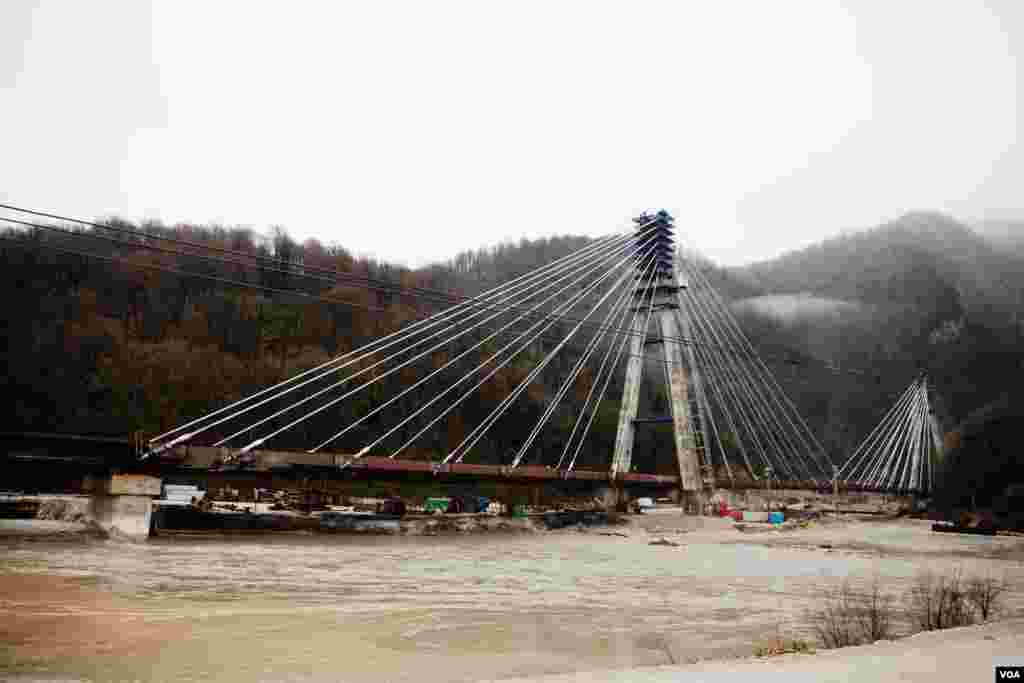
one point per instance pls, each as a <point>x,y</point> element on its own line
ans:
<point>436,504</point>
<point>519,511</point>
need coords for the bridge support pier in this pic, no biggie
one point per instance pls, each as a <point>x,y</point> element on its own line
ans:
<point>693,502</point>
<point>612,497</point>
<point>122,504</point>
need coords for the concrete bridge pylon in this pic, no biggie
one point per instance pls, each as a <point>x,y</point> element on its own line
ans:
<point>657,297</point>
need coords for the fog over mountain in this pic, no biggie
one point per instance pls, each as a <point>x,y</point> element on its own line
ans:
<point>924,292</point>
<point>1007,235</point>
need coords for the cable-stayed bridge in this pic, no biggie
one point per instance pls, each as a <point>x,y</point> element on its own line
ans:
<point>625,299</point>
<point>630,322</point>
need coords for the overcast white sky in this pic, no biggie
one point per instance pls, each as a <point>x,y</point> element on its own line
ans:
<point>411,130</point>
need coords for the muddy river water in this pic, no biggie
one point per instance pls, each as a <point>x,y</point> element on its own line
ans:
<point>396,608</point>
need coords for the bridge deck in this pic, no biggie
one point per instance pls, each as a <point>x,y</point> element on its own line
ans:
<point>81,452</point>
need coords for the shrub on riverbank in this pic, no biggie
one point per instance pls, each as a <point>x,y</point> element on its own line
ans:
<point>934,601</point>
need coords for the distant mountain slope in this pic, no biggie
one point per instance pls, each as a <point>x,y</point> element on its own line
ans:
<point>923,292</point>
<point>1007,236</point>
<point>921,258</point>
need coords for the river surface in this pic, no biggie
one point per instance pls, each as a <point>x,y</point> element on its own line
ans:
<point>396,608</point>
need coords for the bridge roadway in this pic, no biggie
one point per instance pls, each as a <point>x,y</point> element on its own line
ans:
<point>122,486</point>
<point>50,461</point>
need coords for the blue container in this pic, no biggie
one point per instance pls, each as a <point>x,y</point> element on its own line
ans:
<point>775,517</point>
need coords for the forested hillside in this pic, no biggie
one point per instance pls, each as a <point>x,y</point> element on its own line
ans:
<point>133,343</point>
<point>920,293</point>
<point>130,338</point>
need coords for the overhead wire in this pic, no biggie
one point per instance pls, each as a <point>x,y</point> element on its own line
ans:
<point>574,373</point>
<point>474,437</point>
<point>598,380</point>
<point>585,266</point>
<point>299,269</point>
<point>437,371</point>
<point>566,305</point>
<point>236,283</point>
<point>377,345</point>
<point>903,473</point>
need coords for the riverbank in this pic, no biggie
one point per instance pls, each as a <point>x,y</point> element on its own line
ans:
<point>310,606</point>
<point>953,655</point>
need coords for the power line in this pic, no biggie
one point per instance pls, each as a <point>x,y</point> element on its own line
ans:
<point>336,276</point>
<point>176,271</point>
<point>333,272</point>
<point>240,283</point>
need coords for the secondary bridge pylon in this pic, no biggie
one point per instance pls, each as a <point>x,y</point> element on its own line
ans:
<point>901,453</point>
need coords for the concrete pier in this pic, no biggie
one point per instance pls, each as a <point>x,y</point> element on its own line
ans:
<point>122,504</point>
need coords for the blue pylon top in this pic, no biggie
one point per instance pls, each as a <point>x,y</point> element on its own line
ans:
<point>657,230</point>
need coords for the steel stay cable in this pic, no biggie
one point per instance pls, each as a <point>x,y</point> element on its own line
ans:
<point>408,330</point>
<point>441,318</point>
<point>912,476</point>
<point>904,479</point>
<point>396,337</point>
<point>624,449</point>
<point>436,371</point>
<point>814,447</point>
<point>880,471</point>
<point>906,444</point>
<point>733,387</point>
<point>712,367</point>
<point>474,437</point>
<point>704,307</point>
<point>407,292</point>
<point>586,267</point>
<point>849,467</point>
<point>564,306</point>
<point>703,357</point>
<point>703,406</point>
<point>481,429</point>
<point>24,244</point>
<point>749,384</point>
<point>574,373</point>
<point>903,445</point>
<point>703,403</point>
<point>611,372</point>
<point>287,267</point>
<point>924,449</point>
<point>598,379</point>
<point>882,459</point>
<point>885,426</point>
<point>198,275</point>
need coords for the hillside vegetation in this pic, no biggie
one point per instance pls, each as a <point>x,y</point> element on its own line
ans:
<point>922,293</point>
<point>124,344</point>
<point>115,346</point>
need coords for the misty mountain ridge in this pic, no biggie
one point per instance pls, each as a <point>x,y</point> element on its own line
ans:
<point>923,259</point>
<point>1006,235</point>
<point>922,292</point>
